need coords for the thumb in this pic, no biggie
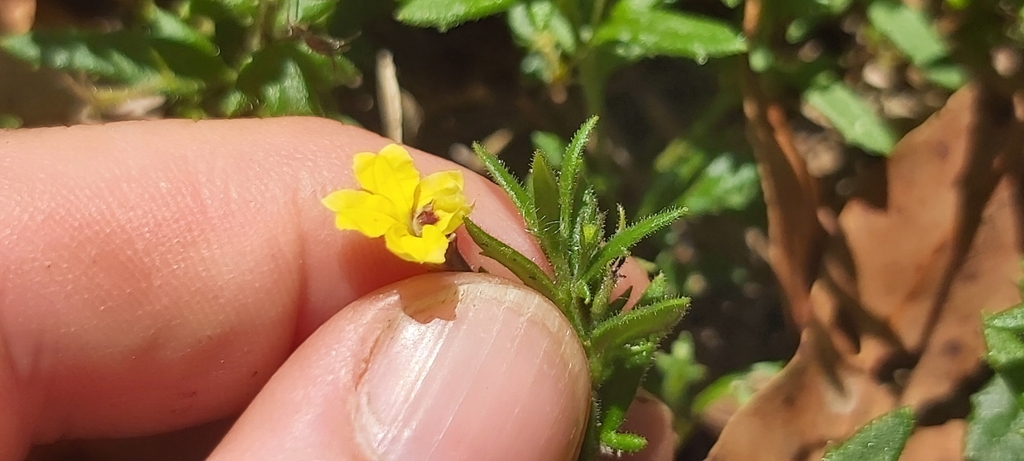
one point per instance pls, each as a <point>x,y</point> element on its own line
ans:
<point>440,366</point>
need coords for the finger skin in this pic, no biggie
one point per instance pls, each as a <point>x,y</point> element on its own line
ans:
<point>438,367</point>
<point>154,275</point>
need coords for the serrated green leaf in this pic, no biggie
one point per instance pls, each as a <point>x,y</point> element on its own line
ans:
<point>882,439</point>
<point>640,322</point>
<point>504,179</point>
<point>850,114</point>
<point>995,427</point>
<point>636,33</point>
<point>569,177</point>
<point>544,190</point>
<point>527,271</point>
<point>445,14</point>
<point>909,29</point>
<point>621,242</point>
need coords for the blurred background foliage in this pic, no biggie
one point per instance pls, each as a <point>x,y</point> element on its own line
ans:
<point>520,75</point>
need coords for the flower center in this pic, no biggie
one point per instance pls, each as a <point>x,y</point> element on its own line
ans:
<point>423,217</point>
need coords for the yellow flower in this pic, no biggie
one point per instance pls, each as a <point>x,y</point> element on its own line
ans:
<point>415,216</point>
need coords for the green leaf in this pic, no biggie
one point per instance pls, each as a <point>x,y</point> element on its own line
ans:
<point>640,322</point>
<point>739,386</point>
<point>995,427</point>
<point>304,13</point>
<point>164,25</point>
<point>621,242</point>
<point>445,14</point>
<point>722,185</point>
<point>882,439</point>
<point>909,29</point>
<point>122,56</point>
<point>527,271</point>
<point>946,74</point>
<point>638,33</point>
<point>1004,337</point>
<point>680,372</point>
<point>569,177</point>
<point>851,116</point>
<point>544,190</point>
<point>504,179</point>
<point>184,50</point>
<point>550,145</point>
<point>275,77</point>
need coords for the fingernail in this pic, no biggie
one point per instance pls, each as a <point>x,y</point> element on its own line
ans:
<point>473,366</point>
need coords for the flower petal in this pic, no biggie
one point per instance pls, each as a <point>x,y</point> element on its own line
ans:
<point>444,191</point>
<point>442,183</point>
<point>359,210</point>
<point>430,248</point>
<point>389,174</point>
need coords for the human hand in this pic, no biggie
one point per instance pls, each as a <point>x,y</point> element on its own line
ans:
<point>154,275</point>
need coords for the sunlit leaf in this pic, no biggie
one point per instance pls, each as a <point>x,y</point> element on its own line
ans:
<point>850,114</point>
<point>995,427</point>
<point>907,28</point>
<point>445,14</point>
<point>636,33</point>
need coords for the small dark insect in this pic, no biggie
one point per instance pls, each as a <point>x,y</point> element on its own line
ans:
<point>320,43</point>
<point>616,265</point>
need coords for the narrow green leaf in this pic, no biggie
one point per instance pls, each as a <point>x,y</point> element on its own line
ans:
<point>851,116</point>
<point>882,439</point>
<point>504,179</point>
<point>569,177</point>
<point>544,190</point>
<point>527,271</point>
<point>587,234</point>
<point>995,427</point>
<point>621,242</point>
<point>616,392</point>
<point>641,322</point>
<point>636,33</point>
<point>445,14</point>
<point>909,29</point>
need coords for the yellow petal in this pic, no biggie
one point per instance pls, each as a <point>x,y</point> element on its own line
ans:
<point>430,248</point>
<point>443,190</point>
<point>359,210</point>
<point>442,183</point>
<point>389,174</point>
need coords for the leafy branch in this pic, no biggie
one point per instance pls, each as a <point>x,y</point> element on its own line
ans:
<point>562,213</point>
